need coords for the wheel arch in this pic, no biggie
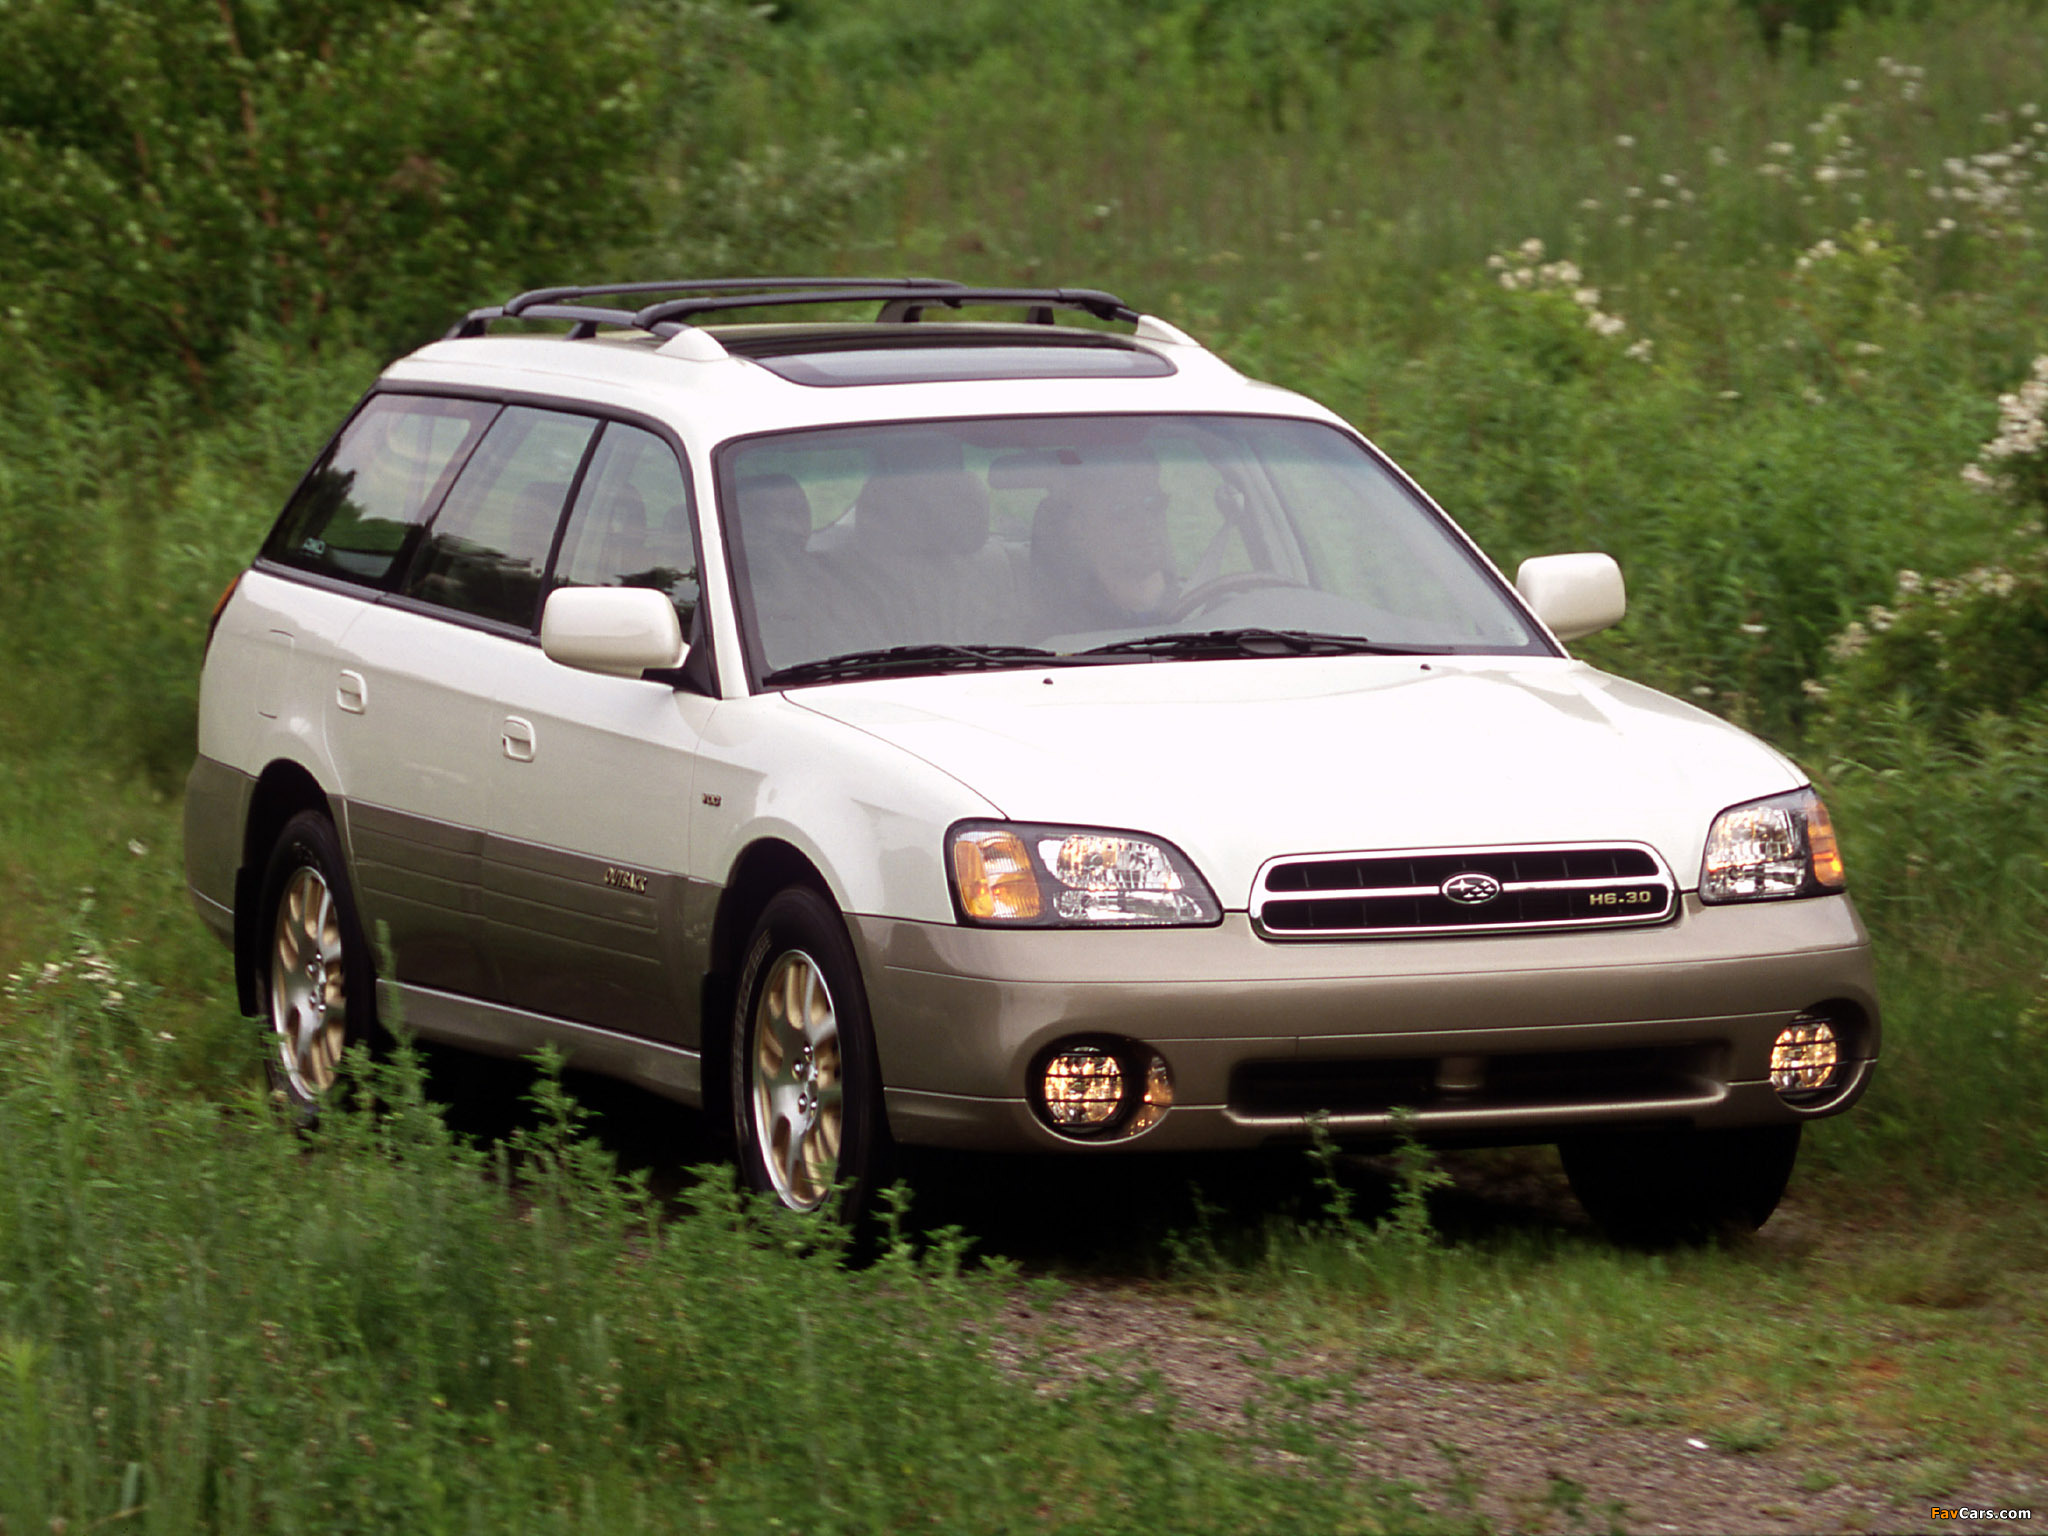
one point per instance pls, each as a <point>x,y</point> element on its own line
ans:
<point>284,788</point>
<point>763,868</point>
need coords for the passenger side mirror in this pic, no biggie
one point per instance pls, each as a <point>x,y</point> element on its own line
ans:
<point>1574,594</point>
<point>619,630</point>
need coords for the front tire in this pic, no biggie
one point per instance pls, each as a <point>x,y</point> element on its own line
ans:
<point>806,1090</point>
<point>1658,1188</point>
<point>313,973</point>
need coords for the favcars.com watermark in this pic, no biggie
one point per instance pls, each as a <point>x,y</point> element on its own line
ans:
<point>1968,1512</point>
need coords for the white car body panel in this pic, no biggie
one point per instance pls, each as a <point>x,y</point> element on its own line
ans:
<point>1237,762</point>
<point>868,814</point>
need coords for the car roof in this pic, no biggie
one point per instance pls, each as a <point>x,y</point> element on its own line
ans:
<point>723,380</point>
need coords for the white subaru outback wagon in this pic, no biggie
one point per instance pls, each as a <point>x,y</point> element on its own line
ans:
<point>1013,735</point>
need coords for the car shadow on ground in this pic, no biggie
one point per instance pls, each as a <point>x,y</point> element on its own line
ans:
<point>1130,1214</point>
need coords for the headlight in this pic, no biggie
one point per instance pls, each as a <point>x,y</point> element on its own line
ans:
<point>1783,846</point>
<point>1020,875</point>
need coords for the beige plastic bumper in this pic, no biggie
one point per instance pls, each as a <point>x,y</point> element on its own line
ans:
<point>960,1013</point>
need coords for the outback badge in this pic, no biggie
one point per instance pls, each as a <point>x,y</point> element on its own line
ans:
<point>1470,888</point>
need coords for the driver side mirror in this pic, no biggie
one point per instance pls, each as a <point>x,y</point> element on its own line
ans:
<point>619,630</point>
<point>1574,594</point>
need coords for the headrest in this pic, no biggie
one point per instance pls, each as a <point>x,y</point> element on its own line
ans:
<point>925,513</point>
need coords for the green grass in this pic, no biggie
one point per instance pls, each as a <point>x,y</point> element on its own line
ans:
<point>208,1323</point>
<point>1848,1332</point>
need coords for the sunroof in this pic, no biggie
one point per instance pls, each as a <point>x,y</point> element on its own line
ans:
<point>951,363</point>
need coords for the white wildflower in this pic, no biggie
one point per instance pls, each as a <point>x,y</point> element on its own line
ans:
<point>1909,582</point>
<point>1640,349</point>
<point>1625,140</point>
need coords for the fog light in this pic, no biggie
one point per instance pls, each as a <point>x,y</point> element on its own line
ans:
<point>1083,1088</point>
<point>1805,1056</point>
<point>1101,1088</point>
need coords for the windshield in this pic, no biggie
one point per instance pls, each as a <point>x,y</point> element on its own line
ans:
<point>924,546</point>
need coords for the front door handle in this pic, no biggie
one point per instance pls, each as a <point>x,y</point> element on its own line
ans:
<point>352,693</point>
<point>518,739</point>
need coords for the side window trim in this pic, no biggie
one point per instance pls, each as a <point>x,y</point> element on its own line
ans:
<point>568,512</point>
<point>699,673</point>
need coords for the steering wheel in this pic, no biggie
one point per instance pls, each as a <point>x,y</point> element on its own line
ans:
<point>1205,595</point>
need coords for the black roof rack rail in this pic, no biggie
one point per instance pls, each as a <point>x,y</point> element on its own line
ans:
<point>554,303</point>
<point>525,301</point>
<point>898,306</point>
<point>904,301</point>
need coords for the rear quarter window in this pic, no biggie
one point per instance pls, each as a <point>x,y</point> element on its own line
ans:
<point>357,515</point>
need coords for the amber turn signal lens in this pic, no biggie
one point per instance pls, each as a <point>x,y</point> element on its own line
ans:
<point>995,878</point>
<point>220,606</point>
<point>1821,845</point>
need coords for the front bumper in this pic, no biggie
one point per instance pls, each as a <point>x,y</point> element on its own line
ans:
<point>1671,1024</point>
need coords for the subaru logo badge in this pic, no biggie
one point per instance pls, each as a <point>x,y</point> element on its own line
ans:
<point>1470,889</point>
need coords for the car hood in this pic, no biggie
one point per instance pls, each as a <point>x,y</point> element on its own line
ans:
<point>1238,762</point>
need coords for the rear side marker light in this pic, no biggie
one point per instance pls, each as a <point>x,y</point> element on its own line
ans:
<point>219,607</point>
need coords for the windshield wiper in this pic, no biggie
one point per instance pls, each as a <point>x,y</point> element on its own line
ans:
<point>1200,643</point>
<point>910,658</point>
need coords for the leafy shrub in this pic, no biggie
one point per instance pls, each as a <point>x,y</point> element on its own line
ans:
<point>1950,647</point>
<point>188,168</point>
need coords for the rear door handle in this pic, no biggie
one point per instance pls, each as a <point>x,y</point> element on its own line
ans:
<point>518,739</point>
<point>352,693</point>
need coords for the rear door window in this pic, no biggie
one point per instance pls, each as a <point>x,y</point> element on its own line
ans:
<point>358,514</point>
<point>488,548</point>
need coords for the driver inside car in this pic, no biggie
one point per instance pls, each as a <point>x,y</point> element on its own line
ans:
<point>1100,555</point>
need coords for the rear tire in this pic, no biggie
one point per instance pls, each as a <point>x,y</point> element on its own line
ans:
<point>806,1089</point>
<point>1659,1188</point>
<point>314,980</point>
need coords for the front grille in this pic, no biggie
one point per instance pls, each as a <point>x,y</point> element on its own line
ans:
<point>1409,893</point>
<point>1536,1080</point>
